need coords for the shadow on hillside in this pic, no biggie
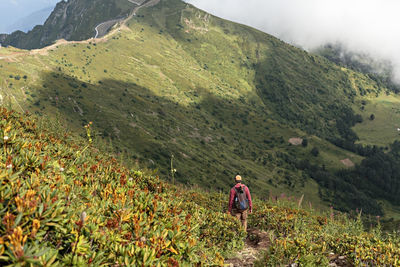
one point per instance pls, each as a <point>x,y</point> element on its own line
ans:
<point>212,139</point>
<point>300,89</point>
<point>309,94</point>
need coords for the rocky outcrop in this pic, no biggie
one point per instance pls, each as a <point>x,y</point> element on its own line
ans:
<point>3,37</point>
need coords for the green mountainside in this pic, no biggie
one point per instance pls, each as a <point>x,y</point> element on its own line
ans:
<point>379,70</point>
<point>70,20</point>
<point>64,202</point>
<point>177,86</point>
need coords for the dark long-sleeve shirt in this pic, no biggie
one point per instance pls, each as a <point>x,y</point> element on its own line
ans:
<point>233,194</point>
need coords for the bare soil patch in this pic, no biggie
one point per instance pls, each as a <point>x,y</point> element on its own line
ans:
<point>347,163</point>
<point>296,141</point>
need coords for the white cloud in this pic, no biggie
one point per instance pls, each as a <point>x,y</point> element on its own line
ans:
<point>368,26</point>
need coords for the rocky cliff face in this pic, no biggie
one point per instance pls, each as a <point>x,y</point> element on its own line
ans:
<point>70,20</point>
<point>3,37</point>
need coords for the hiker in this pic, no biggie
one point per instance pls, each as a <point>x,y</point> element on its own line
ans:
<point>240,201</point>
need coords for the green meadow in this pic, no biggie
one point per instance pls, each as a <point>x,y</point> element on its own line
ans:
<point>382,129</point>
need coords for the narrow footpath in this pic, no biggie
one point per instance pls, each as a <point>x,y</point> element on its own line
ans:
<point>256,242</point>
<point>259,241</point>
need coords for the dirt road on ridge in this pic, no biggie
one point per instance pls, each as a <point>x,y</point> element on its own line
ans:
<point>102,28</point>
<point>146,4</point>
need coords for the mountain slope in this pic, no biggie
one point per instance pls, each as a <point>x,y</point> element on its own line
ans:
<point>222,98</point>
<point>64,202</point>
<point>379,70</point>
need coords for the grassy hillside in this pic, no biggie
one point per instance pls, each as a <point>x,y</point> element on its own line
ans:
<point>64,202</point>
<point>222,98</point>
<point>381,128</point>
<point>378,69</point>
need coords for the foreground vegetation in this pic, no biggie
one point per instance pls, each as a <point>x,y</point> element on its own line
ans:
<point>65,202</point>
<point>309,238</point>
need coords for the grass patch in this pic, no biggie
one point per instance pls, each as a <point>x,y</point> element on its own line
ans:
<point>382,130</point>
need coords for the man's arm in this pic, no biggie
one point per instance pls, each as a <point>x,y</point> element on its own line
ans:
<point>249,198</point>
<point>231,197</point>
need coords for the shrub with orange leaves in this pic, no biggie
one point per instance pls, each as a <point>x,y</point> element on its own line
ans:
<point>130,218</point>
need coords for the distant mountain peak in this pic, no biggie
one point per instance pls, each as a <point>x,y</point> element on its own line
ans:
<point>73,20</point>
<point>29,22</point>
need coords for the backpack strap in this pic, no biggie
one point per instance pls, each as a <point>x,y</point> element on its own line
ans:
<point>244,191</point>
<point>237,189</point>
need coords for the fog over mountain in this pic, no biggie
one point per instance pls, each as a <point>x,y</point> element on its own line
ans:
<point>365,26</point>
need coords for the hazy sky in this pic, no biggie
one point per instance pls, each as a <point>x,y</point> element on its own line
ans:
<point>11,11</point>
<point>371,26</point>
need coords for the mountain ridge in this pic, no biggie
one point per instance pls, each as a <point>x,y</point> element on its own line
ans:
<point>73,20</point>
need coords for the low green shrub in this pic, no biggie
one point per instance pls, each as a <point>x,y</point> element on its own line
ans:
<point>308,238</point>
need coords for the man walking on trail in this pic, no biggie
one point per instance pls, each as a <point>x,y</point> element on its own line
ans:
<point>240,201</point>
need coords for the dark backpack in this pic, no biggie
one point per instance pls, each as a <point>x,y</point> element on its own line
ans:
<point>241,201</point>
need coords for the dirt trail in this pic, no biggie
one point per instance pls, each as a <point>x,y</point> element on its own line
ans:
<point>102,28</point>
<point>256,242</point>
<point>146,4</point>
